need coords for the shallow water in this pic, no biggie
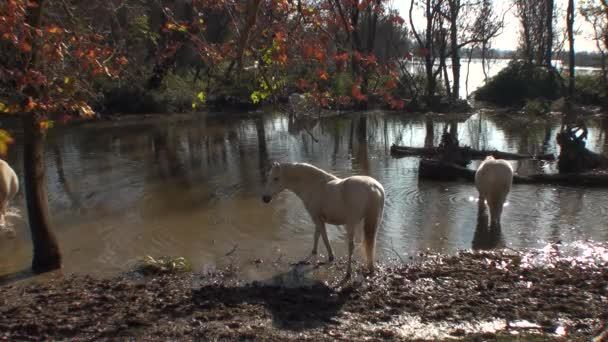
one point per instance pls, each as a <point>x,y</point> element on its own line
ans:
<point>190,186</point>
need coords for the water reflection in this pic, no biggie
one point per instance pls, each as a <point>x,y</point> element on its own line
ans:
<point>190,187</point>
<point>487,236</point>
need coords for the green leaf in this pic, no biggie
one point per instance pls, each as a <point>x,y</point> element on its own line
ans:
<point>201,96</point>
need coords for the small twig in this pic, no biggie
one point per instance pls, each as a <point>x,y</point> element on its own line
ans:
<point>232,251</point>
<point>310,133</point>
<point>396,253</point>
<point>511,249</point>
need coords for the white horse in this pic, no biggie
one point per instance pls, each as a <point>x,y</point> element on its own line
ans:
<point>493,180</point>
<point>9,186</point>
<point>332,200</point>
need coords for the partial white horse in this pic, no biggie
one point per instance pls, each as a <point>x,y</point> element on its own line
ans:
<point>9,186</point>
<point>493,180</point>
<point>332,200</point>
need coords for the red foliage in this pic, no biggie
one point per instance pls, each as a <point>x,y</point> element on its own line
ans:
<point>67,61</point>
<point>357,94</point>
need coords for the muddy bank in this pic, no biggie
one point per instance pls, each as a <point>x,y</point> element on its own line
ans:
<point>474,295</point>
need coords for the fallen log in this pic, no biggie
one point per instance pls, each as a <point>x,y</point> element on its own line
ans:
<point>433,169</point>
<point>404,151</point>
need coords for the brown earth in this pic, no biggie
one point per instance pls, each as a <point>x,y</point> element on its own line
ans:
<point>434,297</point>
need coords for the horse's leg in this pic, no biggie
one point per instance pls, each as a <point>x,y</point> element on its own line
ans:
<point>350,233</point>
<point>482,201</point>
<point>3,208</point>
<point>316,239</point>
<point>330,253</point>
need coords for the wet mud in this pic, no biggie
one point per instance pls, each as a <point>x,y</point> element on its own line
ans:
<point>470,296</point>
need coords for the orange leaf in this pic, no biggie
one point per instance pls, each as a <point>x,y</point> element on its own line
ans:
<point>282,58</point>
<point>25,47</point>
<point>322,74</point>
<point>302,84</point>
<point>29,105</point>
<point>54,29</point>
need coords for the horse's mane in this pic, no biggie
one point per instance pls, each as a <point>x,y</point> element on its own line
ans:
<point>308,169</point>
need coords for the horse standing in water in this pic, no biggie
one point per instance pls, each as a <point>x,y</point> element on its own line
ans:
<point>9,186</point>
<point>332,200</point>
<point>493,180</point>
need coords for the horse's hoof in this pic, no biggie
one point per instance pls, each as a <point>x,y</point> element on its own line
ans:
<point>331,258</point>
<point>313,252</point>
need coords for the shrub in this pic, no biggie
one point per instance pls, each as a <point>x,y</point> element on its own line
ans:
<point>520,81</point>
<point>588,90</point>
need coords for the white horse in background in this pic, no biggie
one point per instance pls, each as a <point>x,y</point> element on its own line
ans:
<point>329,199</point>
<point>9,186</point>
<point>493,180</point>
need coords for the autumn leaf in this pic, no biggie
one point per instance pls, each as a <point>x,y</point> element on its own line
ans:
<point>282,58</point>
<point>46,124</point>
<point>357,94</point>
<point>396,19</point>
<point>5,140</point>
<point>29,105</point>
<point>122,60</point>
<point>84,110</point>
<point>322,74</point>
<point>3,107</point>
<point>54,29</point>
<point>25,47</point>
<point>302,84</point>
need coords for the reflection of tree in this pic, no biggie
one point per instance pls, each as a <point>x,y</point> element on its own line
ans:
<point>362,155</point>
<point>434,225</point>
<point>166,156</point>
<point>429,137</point>
<point>67,187</point>
<point>604,130</point>
<point>262,150</point>
<point>486,236</point>
<point>570,206</point>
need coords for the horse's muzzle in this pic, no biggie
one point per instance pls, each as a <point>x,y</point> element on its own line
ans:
<point>266,199</point>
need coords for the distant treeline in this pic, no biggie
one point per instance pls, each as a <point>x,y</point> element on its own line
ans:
<point>583,58</point>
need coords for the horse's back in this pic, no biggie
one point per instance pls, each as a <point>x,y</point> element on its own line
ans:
<point>363,188</point>
<point>494,174</point>
<point>9,184</point>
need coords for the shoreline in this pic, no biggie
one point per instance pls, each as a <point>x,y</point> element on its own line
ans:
<point>470,295</point>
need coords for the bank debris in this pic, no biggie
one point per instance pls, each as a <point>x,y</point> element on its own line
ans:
<point>471,296</point>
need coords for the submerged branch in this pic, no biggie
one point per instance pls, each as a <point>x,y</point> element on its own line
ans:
<point>404,151</point>
<point>432,169</point>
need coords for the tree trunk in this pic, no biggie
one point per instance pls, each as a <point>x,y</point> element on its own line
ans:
<point>429,61</point>
<point>454,10</point>
<point>570,23</point>
<point>47,255</point>
<point>549,26</point>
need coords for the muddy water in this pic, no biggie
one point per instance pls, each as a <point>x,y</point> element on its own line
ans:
<point>190,186</point>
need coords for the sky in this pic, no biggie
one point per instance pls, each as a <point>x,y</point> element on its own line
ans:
<point>508,39</point>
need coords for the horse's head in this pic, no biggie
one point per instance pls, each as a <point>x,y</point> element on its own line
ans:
<point>274,183</point>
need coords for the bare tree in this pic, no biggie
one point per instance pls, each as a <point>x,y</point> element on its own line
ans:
<point>472,23</point>
<point>570,24</point>
<point>426,43</point>
<point>594,15</point>
<point>537,38</point>
<point>549,31</point>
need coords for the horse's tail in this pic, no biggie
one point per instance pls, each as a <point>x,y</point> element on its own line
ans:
<point>372,220</point>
